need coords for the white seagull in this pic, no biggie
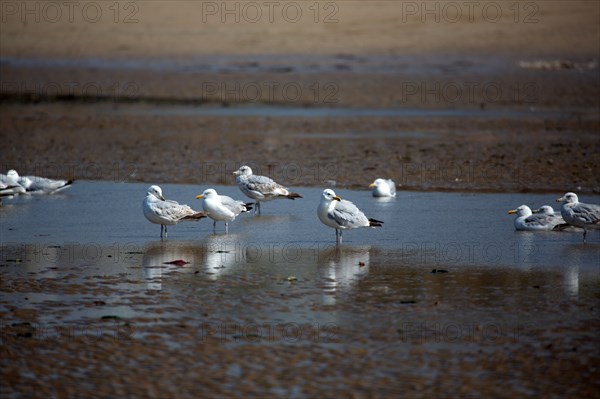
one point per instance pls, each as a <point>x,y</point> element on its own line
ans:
<point>342,215</point>
<point>9,184</point>
<point>166,213</point>
<point>261,188</point>
<point>547,210</point>
<point>579,214</point>
<point>36,184</point>
<point>528,221</point>
<point>383,188</point>
<point>221,207</point>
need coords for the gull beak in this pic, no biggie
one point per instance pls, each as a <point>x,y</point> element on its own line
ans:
<point>237,172</point>
<point>536,211</point>
<point>561,199</point>
<point>199,196</point>
<point>337,198</point>
<point>371,185</point>
<point>512,211</point>
<point>162,198</point>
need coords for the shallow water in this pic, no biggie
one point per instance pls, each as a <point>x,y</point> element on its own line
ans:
<point>87,263</point>
<point>312,112</point>
<point>98,228</point>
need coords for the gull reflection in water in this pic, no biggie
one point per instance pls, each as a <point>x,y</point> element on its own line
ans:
<point>340,267</point>
<point>157,256</point>
<point>220,254</point>
<point>570,280</point>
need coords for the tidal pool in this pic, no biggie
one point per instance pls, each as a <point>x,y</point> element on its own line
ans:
<point>445,296</point>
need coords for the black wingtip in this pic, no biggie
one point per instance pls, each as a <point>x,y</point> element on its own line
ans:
<point>293,196</point>
<point>561,227</point>
<point>375,223</point>
<point>249,206</point>
<point>196,216</point>
<point>69,182</point>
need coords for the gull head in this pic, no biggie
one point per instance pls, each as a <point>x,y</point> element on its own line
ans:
<point>12,177</point>
<point>523,210</point>
<point>545,210</point>
<point>156,191</point>
<point>329,195</point>
<point>377,183</point>
<point>243,171</point>
<point>569,198</point>
<point>208,193</point>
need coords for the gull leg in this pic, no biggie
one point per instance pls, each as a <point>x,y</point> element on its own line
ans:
<point>165,231</point>
<point>214,226</point>
<point>584,234</point>
<point>161,231</point>
<point>257,209</point>
<point>341,236</point>
<point>226,228</point>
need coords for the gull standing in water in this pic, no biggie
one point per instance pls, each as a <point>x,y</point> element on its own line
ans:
<point>342,215</point>
<point>579,214</point>
<point>545,219</point>
<point>261,188</point>
<point>221,207</point>
<point>158,210</point>
<point>383,188</point>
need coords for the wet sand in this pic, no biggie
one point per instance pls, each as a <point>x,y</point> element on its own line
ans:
<point>279,312</point>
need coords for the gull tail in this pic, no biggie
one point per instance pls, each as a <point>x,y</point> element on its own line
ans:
<point>294,196</point>
<point>375,223</point>
<point>195,216</point>
<point>66,185</point>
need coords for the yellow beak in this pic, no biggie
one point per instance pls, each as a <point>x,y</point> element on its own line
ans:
<point>371,185</point>
<point>337,198</point>
<point>199,196</point>
<point>561,199</point>
<point>512,211</point>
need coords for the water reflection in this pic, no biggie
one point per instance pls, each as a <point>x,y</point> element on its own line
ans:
<point>157,256</point>
<point>340,268</point>
<point>220,254</point>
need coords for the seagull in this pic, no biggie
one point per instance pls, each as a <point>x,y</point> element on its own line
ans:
<point>526,220</point>
<point>221,207</point>
<point>166,213</point>
<point>261,188</point>
<point>579,214</point>
<point>9,187</point>
<point>342,215</point>
<point>9,184</point>
<point>36,184</point>
<point>383,188</point>
<point>547,210</point>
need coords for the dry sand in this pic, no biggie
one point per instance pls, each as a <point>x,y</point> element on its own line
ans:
<point>537,56</point>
